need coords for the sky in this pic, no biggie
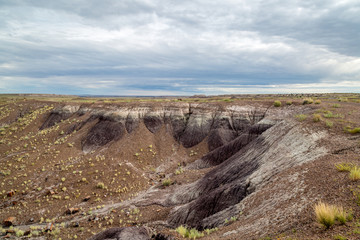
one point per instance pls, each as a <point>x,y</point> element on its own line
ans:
<point>187,47</point>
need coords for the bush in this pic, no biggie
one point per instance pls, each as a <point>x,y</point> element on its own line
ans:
<point>277,103</point>
<point>316,117</point>
<point>327,214</point>
<point>289,103</point>
<point>329,124</point>
<point>166,182</point>
<point>308,101</point>
<point>301,117</point>
<point>189,233</point>
<point>317,101</point>
<point>354,173</point>
<point>100,185</point>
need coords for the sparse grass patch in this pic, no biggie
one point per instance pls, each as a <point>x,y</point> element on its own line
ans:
<point>339,237</point>
<point>301,117</point>
<point>289,102</point>
<point>277,103</point>
<point>344,167</point>
<point>336,105</point>
<point>354,130</point>
<point>317,101</point>
<point>189,233</point>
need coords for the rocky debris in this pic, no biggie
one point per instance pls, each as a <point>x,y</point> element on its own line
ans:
<point>72,211</point>
<point>10,221</point>
<point>49,227</point>
<point>124,233</point>
<point>11,193</point>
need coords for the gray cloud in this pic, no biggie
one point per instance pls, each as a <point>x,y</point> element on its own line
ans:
<point>153,46</point>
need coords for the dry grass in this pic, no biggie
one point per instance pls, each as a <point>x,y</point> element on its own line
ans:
<point>327,214</point>
<point>354,173</point>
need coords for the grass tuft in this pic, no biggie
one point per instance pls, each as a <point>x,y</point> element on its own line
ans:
<point>354,173</point>
<point>344,167</point>
<point>327,214</point>
<point>308,101</point>
<point>277,103</point>
<point>316,117</point>
<point>301,117</point>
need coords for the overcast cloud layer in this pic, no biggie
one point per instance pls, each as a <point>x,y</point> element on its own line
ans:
<point>158,47</point>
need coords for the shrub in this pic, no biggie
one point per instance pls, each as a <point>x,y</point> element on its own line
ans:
<point>326,214</point>
<point>339,237</point>
<point>289,103</point>
<point>166,182</point>
<point>354,173</point>
<point>336,105</point>
<point>316,117</point>
<point>308,101</point>
<point>277,103</point>
<point>100,185</point>
<point>329,124</point>
<point>317,101</point>
<point>301,117</point>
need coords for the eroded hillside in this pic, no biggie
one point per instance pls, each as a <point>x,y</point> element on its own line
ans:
<point>239,169</point>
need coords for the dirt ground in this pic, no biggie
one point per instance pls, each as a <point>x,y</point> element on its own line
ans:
<point>48,181</point>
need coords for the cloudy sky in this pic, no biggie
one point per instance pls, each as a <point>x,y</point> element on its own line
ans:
<point>159,47</point>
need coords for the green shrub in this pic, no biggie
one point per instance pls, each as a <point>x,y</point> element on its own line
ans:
<point>339,237</point>
<point>301,117</point>
<point>289,103</point>
<point>336,105</point>
<point>317,101</point>
<point>189,233</point>
<point>100,185</point>
<point>277,103</point>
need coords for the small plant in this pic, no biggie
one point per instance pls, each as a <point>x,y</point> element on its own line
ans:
<point>344,167</point>
<point>301,117</point>
<point>316,117</point>
<point>289,102</point>
<point>339,237</point>
<point>189,233</point>
<point>100,185</point>
<point>166,182</point>
<point>19,233</point>
<point>354,130</point>
<point>329,124</point>
<point>277,103</point>
<point>317,101</point>
<point>354,173</point>
<point>336,105</point>
<point>308,101</point>
<point>325,214</point>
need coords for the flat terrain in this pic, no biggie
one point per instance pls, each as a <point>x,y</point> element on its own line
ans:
<point>72,167</point>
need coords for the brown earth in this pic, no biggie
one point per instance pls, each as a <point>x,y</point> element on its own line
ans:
<point>56,154</point>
